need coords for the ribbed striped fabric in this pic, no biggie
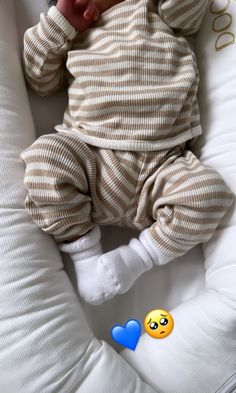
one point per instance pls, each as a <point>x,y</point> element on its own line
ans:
<point>133,74</point>
<point>73,186</point>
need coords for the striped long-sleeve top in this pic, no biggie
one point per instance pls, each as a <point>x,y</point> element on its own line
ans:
<point>132,76</point>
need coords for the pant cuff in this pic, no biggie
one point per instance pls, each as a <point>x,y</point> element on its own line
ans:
<point>87,241</point>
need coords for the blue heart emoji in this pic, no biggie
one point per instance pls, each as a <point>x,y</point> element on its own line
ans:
<point>127,336</point>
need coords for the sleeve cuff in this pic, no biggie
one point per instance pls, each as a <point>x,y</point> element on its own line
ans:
<point>62,22</point>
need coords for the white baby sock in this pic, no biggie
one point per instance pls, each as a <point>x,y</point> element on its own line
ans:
<point>158,257</point>
<point>85,253</point>
<point>101,276</point>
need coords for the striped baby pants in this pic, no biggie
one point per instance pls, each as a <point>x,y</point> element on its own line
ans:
<point>73,186</point>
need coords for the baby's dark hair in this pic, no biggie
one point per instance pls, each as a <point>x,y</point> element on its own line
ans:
<point>51,2</point>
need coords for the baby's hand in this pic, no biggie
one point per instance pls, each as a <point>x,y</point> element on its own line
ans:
<point>80,13</point>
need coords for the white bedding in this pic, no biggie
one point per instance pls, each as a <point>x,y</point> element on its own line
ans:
<point>42,322</point>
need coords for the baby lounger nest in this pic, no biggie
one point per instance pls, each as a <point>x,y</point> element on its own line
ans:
<point>53,343</point>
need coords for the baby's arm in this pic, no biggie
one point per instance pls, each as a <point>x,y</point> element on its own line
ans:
<point>183,15</point>
<point>45,49</point>
<point>46,44</point>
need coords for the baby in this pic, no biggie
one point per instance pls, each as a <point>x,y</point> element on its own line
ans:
<point>122,154</point>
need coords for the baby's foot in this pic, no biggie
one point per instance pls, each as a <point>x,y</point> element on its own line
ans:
<point>112,273</point>
<point>96,281</point>
<point>84,253</point>
<point>102,276</point>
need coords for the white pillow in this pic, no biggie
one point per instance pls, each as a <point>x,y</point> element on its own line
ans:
<point>200,354</point>
<point>46,344</point>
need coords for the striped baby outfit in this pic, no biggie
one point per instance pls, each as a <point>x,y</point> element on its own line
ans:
<point>73,186</point>
<point>133,75</point>
<point>121,157</point>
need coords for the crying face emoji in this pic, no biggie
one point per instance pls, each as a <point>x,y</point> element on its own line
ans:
<point>158,323</point>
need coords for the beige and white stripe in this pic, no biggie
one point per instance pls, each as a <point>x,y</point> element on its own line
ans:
<point>73,186</point>
<point>133,75</point>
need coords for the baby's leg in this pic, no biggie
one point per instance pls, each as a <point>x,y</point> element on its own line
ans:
<point>58,169</point>
<point>193,201</point>
<point>61,178</point>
